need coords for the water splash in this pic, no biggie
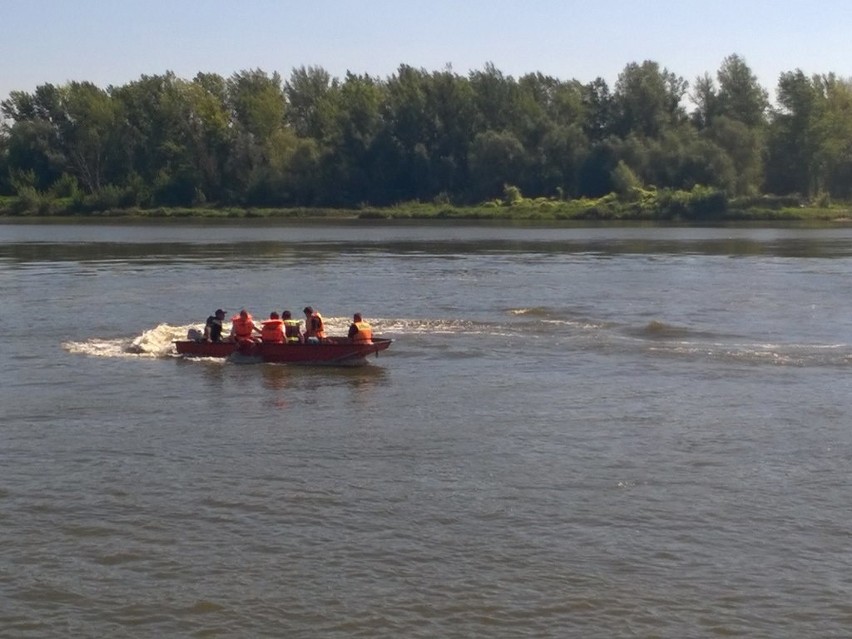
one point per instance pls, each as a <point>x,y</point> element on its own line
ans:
<point>656,338</point>
<point>535,311</point>
<point>155,342</point>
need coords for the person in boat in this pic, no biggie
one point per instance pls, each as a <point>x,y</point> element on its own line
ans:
<point>243,327</point>
<point>213,326</point>
<point>360,332</point>
<point>314,328</point>
<point>272,330</point>
<point>292,328</point>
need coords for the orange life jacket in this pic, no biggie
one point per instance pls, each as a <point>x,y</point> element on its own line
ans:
<point>315,327</point>
<point>272,330</point>
<point>364,334</point>
<point>242,328</point>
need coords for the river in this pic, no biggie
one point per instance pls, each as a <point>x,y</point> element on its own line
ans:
<point>578,431</point>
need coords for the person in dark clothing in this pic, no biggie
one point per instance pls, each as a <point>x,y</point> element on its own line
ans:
<point>213,327</point>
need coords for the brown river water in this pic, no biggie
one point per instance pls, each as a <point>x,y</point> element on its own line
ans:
<point>577,432</point>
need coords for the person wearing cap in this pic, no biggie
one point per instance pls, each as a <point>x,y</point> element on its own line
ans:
<point>360,332</point>
<point>243,327</point>
<point>314,329</point>
<point>213,326</point>
<point>292,328</point>
<point>272,330</point>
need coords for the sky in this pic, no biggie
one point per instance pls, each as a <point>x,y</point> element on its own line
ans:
<point>113,42</point>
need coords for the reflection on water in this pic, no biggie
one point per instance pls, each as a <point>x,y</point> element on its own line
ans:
<point>214,371</point>
<point>595,432</point>
<point>287,243</point>
<point>362,378</point>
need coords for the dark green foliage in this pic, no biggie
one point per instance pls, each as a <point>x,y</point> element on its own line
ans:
<point>254,140</point>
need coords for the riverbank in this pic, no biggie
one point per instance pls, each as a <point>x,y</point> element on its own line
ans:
<point>698,205</point>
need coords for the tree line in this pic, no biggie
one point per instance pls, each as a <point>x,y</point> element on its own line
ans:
<point>256,140</point>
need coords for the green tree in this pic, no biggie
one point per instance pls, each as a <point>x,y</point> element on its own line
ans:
<point>792,144</point>
<point>563,152</point>
<point>732,117</point>
<point>33,143</point>
<point>312,98</point>
<point>257,112</point>
<point>450,108</point>
<point>833,132</point>
<point>404,147</point>
<point>257,101</point>
<point>5,184</point>
<point>705,96</point>
<point>647,99</point>
<point>89,133</point>
<point>533,123</point>
<point>596,172</point>
<point>682,158</point>
<point>600,110</point>
<point>740,96</point>
<point>495,96</point>
<point>496,158</point>
<point>153,115</point>
<point>625,182</point>
<point>744,146</point>
<point>206,134</point>
<point>352,166</point>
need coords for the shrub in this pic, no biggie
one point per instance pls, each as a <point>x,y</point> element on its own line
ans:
<point>136,191</point>
<point>671,204</point>
<point>706,202</point>
<point>768,202</point>
<point>442,199</point>
<point>512,195</point>
<point>22,180</point>
<point>625,183</point>
<point>109,197</point>
<point>823,200</point>
<point>29,201</point>
<point>66,186</point>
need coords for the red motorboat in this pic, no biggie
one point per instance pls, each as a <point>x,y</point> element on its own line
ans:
<point>331,350</point>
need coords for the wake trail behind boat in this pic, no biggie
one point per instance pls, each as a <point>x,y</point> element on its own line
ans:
<point>565,332</point>
<point>155,342</point>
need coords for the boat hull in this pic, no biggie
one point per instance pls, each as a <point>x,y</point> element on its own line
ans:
<point>334,350</point>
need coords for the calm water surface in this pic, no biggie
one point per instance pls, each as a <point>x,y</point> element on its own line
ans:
<point>590,432</point>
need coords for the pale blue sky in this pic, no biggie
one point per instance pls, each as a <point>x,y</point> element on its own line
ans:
<point>116,41</point>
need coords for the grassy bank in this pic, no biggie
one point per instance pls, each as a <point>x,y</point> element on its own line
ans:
<point>698,205</point>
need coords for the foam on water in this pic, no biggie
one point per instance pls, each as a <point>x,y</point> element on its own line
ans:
<point>657,337</point>
<point>773,354</point>
<point>155,342</point>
